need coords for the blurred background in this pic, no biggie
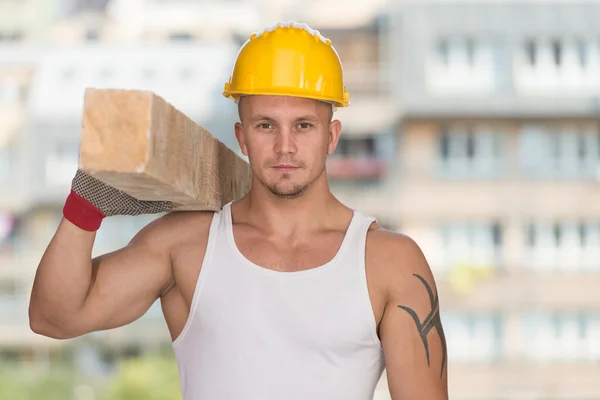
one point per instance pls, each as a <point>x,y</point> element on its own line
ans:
<point>474,128</point>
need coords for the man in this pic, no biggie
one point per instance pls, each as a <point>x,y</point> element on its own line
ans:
<point>284,294</point>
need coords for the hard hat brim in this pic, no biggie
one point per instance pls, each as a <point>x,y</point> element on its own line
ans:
<point>334,101</point>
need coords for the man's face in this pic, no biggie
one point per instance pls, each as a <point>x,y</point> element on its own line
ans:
<point>287,140</point>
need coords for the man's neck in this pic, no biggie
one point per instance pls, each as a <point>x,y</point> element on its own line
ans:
<point>309,211</point>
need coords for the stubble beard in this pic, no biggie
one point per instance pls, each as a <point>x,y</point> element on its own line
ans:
<point>286,192</point>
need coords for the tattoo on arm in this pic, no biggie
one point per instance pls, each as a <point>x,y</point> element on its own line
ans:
<point>431,321</point>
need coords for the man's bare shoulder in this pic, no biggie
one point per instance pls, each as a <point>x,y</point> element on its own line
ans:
<point>397,260</point>
<point>391,249</point>
<point>174,229</point>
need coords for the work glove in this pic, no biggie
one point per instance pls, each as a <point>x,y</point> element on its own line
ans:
<point>91,200</point>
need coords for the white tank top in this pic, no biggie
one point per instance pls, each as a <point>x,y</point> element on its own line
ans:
<point>259,334</point>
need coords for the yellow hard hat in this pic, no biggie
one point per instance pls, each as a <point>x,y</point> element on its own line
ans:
<point>288,59</point>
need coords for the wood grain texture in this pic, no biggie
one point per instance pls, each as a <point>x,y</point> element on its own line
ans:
<point>137,142</point>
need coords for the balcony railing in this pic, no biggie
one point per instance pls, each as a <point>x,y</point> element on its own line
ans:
<point>360,168</point>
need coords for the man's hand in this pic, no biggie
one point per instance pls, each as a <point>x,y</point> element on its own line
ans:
<point>91,200</point>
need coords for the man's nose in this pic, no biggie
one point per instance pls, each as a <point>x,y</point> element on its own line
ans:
<point>285,142</point>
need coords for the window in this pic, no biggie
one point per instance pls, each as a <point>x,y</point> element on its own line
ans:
<point>15,36</point>
<point>557,52</point>
<point>560,151</point>
<point>107,74</point>
<point>582,52</point>
<point>473,245</point>
<point>61,161</point>
<point>363,158</point>
<point>453,52</point>
<point>582,231</point>
<point>531,51</point>
<point>561,336</point>
<point>362,147</point>
<point>563,246</point>
<point>471,152</point>
<point>445,145</point>
<point>461,65</point>
<point>67,74</point>
<point>90,5</point>
<point>497,234</point>
<point>470,49</point>
<point>180,37</point>
<point>148,74</point>
<point>470,145</point>
<point>581,147</point>
<point>443,50</point>
<point>473,337</point>
<point>557,66</point>
<point>92,35</point>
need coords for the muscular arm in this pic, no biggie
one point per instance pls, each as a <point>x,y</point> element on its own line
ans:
<point>411,332</point>
<point>74,294</point>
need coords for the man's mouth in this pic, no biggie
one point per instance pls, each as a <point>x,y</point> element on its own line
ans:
<point>285,167</point>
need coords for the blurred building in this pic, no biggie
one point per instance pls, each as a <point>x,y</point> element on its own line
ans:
<point>21,23</point>
<point>473,128</point>
<point>27,21</point>
<point>497,177</point>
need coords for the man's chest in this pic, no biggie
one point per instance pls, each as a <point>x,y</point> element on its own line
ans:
<point>289,256</point>
<point>302,256</point>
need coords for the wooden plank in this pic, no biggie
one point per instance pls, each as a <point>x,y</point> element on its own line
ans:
<point>137,142</point>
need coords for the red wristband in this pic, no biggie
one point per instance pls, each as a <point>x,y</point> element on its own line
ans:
<point>82,213</point>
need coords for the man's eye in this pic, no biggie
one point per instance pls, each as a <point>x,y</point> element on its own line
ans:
<point>304,125</point>
<point>265,126</point>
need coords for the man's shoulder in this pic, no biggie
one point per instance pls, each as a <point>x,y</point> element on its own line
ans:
<point>386,241</point>
<point>395,256</point>
<point>184,219</point>
<point>175,228</point>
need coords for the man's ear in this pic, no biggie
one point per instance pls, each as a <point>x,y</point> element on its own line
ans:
<point>335,129</point>
<point>239,135</point>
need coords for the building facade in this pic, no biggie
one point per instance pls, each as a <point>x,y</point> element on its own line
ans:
<point>499,182</point>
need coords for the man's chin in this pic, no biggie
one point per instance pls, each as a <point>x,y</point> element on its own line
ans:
<point>287,192</point>
<point>287,195</point>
